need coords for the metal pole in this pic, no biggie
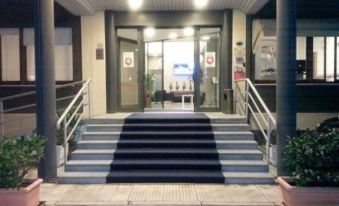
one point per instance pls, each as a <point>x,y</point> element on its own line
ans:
<point>286,77</point>
<point>65,140</point>
<point>2,119</point>
<point>89,101</point>
<point>247,90</point>
<point>226,61</point>
<point>45,85</point>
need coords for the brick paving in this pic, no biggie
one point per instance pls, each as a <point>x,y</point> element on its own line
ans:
<point>160,194</point>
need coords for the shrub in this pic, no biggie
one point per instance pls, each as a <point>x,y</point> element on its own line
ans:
<point>313,159</point>
<point>17,157</point>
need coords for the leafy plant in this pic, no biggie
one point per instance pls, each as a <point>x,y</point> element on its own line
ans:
<point>149,83</point>
<point>60,131</point>
<point>17,157</point>
<point>313,159</point>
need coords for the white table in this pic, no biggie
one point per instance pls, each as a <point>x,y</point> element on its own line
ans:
<point>183,100</point>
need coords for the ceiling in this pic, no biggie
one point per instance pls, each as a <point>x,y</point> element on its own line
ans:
<point>89,7</point>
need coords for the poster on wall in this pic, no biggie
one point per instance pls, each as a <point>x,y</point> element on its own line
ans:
<point>210,59</point>
<point>239,52</point>
<point>128,59</point>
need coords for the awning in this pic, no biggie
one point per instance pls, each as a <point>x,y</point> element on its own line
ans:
<point>89,7</point>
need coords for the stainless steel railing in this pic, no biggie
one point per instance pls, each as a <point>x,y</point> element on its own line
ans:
<point>69,114</point>
<point>250,104</point>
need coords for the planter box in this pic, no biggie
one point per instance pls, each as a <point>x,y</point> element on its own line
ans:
<point>308,196</point>
<point>28,196</point>
<point>60,155</point>
<point>273,155</point>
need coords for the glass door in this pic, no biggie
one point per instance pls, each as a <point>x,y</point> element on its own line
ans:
<point>129,80</point>
<point>208,73</point>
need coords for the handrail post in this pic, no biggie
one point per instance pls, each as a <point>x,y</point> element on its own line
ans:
<point>2,119</point>
<point>89,101</point>
<point>247,90</point>
<point>269,131</point>
<point>65,140</point>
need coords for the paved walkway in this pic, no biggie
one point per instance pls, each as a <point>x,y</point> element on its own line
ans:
<point>160,194</point>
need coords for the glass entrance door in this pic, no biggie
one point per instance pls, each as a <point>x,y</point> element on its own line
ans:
<point>129,80</point>
<point>208,76</point>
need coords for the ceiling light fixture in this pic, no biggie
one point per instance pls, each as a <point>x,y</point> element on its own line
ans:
<point>200,4</point>
<point>135,4</point>
<point>149,32</point>
<point>188,31</point>
<point>173,35</point>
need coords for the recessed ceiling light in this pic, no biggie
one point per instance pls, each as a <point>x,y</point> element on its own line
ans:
<point>149,32</point>
<point>206,38</point>
<point>135,4</point>
<point>173,35</point>
<point>199,4</point>
<point>188,31</point>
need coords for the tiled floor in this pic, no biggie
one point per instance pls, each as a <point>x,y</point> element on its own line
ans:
<point>160,194</point>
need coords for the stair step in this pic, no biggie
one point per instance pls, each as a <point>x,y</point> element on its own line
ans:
<point>156,176</point>
<point>168,127</point>
<point>141,177</point>
<point>167,153</point>
<point>220,135</point>
<point>155,164</point>
<point>155,143</point>
<point>248,178</point>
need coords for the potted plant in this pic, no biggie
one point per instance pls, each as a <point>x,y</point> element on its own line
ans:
<point>149,87</point>
<point>17,157</point>
<point>60,138</point>
<point>273,149</point>
<point>313,161</point>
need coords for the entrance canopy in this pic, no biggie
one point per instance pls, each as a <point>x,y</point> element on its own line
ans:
<point>89,7</point>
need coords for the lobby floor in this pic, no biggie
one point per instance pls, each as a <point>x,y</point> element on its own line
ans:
<point>160,194</point>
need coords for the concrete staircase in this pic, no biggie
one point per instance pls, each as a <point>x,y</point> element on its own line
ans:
<point>187,149</point>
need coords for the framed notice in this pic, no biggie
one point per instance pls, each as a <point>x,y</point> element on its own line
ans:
<point>128,59</point>
<point>210,59</point>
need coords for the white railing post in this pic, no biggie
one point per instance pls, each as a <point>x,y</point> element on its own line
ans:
<point>89,101</point>
<point>247,90</point>
<point>269,131</point>
<point>2,119</point>
<point>65,140</point>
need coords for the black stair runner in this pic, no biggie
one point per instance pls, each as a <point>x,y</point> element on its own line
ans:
<point>166,148</point>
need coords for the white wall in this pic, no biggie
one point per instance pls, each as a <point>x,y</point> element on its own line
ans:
<point>92,37</point>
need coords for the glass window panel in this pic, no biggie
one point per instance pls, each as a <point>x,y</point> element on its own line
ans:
<point>329,59</point>
<point>63,54</point>
<point>10,55</point>
<point>301,58</point>
<point>265,59</point>
<point>337,58</point>
<point>318,57</point>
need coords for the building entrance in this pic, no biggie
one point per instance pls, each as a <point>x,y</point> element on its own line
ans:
<point>169,69</point>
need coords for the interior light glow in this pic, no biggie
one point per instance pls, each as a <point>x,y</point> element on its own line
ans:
<point>200,4</point>
<point>173,35</point>
<point>149,32</point>
<point>206,38</point>
<point>135,4</point>
<point>189,31</point>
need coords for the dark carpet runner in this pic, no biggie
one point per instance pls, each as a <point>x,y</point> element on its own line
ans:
<point>166,147</point>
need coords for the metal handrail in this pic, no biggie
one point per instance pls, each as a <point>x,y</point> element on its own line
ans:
<point>85,90</point>
<point>4,110</point>
<point>246,98</point>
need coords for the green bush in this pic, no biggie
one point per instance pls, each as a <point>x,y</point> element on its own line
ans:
<point>17,157</point>
<point>313,159</point>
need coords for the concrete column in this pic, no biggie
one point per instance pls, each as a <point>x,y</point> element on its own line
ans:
<point>226,61</point>
<point>286,76</point>
<point>111,62</point>
<point>45,84</point>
